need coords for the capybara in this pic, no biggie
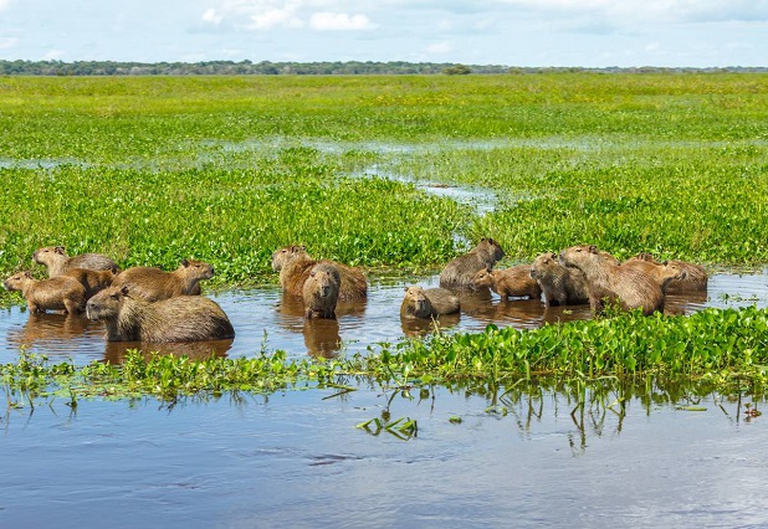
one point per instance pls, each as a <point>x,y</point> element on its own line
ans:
<point>460,271</point>
<point>695,279</point>
<point>663,273</point>
<point>130,318</point>
<point>57,261</point>
<point>56,293</point>
<point>321,291</point>
<point>512,282</point>
<point>92,280</point>
<point>626,287</point>
<point>428,302</point>
<point>295,264</point>
<point>153,284</point>
<point>561,285</point>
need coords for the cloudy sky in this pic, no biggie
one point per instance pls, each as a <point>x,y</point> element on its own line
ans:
<point>697,33</point>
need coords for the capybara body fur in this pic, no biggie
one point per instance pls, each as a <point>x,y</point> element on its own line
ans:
<point>512,282</point>
<point>57,261</point>
<point>295,265</point>
<point>321,291</point>
<point>428,302</point>
<point>153,284</point>
<point>178,319</point>
<point>620,285</point>
<point>56,293</point>
<point>460,272</point>
<point>561,285</point>
<point>93,281</point>
<point>695,279</point>
<point>663,273</point>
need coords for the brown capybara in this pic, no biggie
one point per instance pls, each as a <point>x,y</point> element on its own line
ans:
<point>512,282</point>
<point>695,279</point>
<point>57,261</point>
<point>624,286</point>
<point>92,280</point>
<point>663,273</point>
<point>295,264</point>
<point>459,272</point>
<point>321,291</point>
<point>153,284</point>
<point>561,285</point>
<point>428,302</point>
<point>56,293</point>
<point>130,318</point>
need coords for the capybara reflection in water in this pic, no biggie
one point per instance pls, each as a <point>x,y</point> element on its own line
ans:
<point>619,285</point>
<point>561,285</point>
<point>177,319</point>
<point>428,302</point>
<point>153,284</point>
<point>93,281</point>
<point>57,261</point>
<point>321,291</point>
<point>56,293</point>
<point>295,264</point>
<point>460,272</point>
<point>695,279</point>
<point>512,282</point>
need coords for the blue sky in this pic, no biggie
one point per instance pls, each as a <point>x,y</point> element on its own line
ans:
<point>596,33</point>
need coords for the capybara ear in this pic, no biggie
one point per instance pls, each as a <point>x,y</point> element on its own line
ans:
<point>313,273</point>
<point>592,248</point>
<point>28,274</point>
<point>59,250</point>
<point>185,263</point>
<point>665,263</point>
<point>488,269</point>
<point>124,291</point>
<point>553,256</point>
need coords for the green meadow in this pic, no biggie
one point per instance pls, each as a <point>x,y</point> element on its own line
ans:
<point>151,170</point>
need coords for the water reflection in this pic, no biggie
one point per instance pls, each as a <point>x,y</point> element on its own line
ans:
<point>115,351</point>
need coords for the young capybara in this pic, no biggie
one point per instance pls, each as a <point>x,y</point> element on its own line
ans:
<point>57,261</point>
<point>92,280</point>
<point>130,318</point>
<point>56,293</point>
<point>663,273</point>
<point>153,284</point>
<point>460,272</point>
<point>627,287</point>
<point>428,302</point>
<point>512,282</point>
<point>321,291</point>
<point>561,285</point>
<point>695,279</point>
<point>295,264</point>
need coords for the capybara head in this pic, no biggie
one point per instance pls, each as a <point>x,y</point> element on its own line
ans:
<point>197,269</point>
<point>671,272</point>
<point>17,281</point>
<point>49,254</point>
<point>577,256</point>
<point>491,248</point>
<point>416,298</point>
<point>284,255</point>
<point>483,278</point>
<point>327,279</point>
<point>105,304</point>
<point>543,265</point>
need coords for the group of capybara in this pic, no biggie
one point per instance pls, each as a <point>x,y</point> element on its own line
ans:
<point>151,305</point>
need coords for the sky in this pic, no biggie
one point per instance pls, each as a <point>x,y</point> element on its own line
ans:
<point>586,33</point>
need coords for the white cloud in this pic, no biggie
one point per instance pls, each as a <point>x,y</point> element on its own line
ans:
<point>4,4</point>
<point>277,17</point>
<point>212,16</point>
<point>440,47</point>
<point>8,42</point>
<point>339,22</point>
<point>54,55</point>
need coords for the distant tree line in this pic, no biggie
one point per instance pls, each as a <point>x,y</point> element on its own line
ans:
<point>247,67</point>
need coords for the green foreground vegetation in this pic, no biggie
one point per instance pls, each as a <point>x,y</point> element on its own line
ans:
<point>152,170</point>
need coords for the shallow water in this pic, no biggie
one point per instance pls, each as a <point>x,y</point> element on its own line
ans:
<point>264,319</point>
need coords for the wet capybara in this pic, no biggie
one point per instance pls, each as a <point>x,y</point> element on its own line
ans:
<point>512,282</point>
<point>428,302</point>
<point>153,284</point>
<point>295,264</point>
<point>663,273</point>
<point>625,287</point>
<point>130,318</point>
<point>57,261</point>
<point>459,272</point>
<point>56,293</point>
<point>561,285</point>
<point>321,291</point>
<point>92,280</point>
<point>695,279</point>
